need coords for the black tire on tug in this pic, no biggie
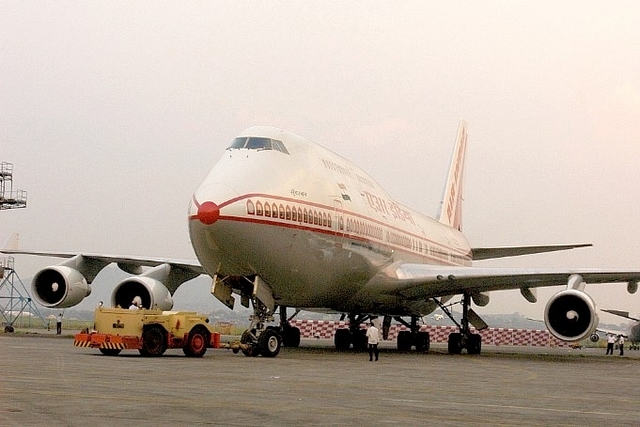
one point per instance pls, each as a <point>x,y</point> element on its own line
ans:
<point>247,338</point>
<point>342,339</point>
<point>154,341</point>
<point>197,342</point>
<point>455,343</point>
<point>110,351</point>
<point>269,343</point>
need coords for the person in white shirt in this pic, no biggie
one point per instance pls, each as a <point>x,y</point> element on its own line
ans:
<point>621,345</point>
<point>373,338</point>
<point>611,340</point>
<point>136,304</point>
<point>59,325</point>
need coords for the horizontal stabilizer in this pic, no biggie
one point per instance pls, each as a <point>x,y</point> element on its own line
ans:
<point>509,251</point>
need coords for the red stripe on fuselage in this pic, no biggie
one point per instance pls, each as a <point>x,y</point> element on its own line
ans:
<point>333,232</point>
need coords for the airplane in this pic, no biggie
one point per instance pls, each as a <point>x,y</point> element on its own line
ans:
<point>283,222</point>
<point>633,330</point>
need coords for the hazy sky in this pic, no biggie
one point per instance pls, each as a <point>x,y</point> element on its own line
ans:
<point>113,112</point>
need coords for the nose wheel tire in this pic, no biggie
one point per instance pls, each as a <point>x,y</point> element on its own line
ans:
<point>269,343</point>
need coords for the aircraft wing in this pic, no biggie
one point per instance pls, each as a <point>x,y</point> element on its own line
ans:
<point>508,251</point>
<point>419,281</point>
<point>624,314</point>
<point>130,264</point>
<point>610,332</point>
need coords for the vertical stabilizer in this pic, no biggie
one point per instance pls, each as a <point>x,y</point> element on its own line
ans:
<point>451,210</point>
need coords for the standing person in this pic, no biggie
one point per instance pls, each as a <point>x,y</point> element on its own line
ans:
<point>59,324</point>
<point>136,304</point>
<point>621,345</point>
<point>611,339</point>
<point>373,338</point>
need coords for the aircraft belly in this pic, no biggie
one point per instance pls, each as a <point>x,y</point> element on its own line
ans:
<point>338,274</point>
<point>331,276</point>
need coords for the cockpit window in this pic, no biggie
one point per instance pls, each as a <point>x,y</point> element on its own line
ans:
<point>278,145</point>
<point>256,143</point>
<point>237,143</point>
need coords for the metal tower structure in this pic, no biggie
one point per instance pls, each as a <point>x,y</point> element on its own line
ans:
<point>10,199</point>
<point>15,302</point>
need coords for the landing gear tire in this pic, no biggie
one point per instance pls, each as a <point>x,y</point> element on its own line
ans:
<point>342,339</point>
<point>360,341</point>
<point>474,344</point>
<point>154,341</point>
<point>197,342</point>
<point>249,339</point>
<point>269,343</point>
<point>423,342</point>
<point>455,343</point>
<point>110,351</point>
<point>404,341</point>
<point>291,337</point>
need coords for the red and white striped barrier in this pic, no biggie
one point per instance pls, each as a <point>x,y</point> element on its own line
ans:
<point>325,329</point>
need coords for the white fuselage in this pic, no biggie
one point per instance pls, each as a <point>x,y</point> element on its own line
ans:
<point>315,227</point>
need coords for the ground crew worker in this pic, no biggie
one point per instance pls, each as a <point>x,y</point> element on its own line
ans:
<point>611,340</point>
<point>621,345</point>
<point>373,338</point>
<point>59,324</point>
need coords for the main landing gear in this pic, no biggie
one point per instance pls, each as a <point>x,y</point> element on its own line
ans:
<point>344,338</point>
<point>464,339</point>
<point>413,337</point>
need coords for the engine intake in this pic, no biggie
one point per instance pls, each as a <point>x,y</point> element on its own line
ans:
<point>152,292</point>
<point>570,315</point>
<point>59,287</point>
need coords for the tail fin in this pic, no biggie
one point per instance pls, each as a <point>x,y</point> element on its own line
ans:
<point>451,210</point>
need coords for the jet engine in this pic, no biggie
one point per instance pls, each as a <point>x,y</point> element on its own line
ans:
<point>570,315</point>
<point>152,292</point>
<point>59,286</point>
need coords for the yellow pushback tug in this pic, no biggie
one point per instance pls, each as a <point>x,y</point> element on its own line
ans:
<point>151,332</point>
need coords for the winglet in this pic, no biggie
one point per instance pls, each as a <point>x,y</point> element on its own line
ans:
<point>12,243</point>
<point>451,210</point>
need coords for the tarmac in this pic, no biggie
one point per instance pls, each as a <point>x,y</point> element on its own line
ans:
<point>45,380</point>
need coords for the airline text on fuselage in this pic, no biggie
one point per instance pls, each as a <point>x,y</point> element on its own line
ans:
<point>390,208</point>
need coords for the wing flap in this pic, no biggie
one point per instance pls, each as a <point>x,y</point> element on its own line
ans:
<point>509,251</point>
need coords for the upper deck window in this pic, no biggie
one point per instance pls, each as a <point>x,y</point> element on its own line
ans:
<point>257,143</point>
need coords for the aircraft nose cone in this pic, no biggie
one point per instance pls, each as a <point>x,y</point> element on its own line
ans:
<point>208,213</point>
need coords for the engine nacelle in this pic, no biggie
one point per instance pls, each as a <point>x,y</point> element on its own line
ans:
<point>571,315</point>
<point>152,292</point>
<point>59,286</point>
